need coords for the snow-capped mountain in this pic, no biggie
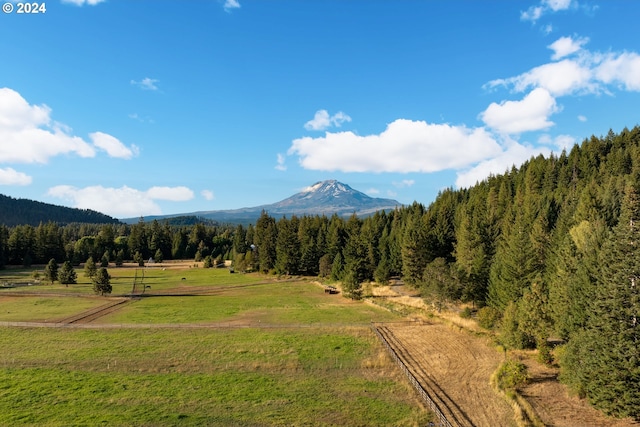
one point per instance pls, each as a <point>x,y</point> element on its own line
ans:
<point>329,197</point>
<point>322,198</point>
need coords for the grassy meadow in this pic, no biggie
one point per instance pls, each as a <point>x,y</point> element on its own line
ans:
<point>299,356</point>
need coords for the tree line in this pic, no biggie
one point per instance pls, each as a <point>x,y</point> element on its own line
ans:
<point>549,249</point>
<point>22,211</point>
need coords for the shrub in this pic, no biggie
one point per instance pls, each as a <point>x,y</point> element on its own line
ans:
<point>511,375</point>
<point>208,263</point>
<point>488,317</point>
<point>466,313</point>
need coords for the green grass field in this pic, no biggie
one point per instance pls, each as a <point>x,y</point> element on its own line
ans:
<point>302,358</point>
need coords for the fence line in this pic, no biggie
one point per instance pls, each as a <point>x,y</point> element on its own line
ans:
<point>412,379</point>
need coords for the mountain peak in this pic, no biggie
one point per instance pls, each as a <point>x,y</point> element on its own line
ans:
<point>328,186</point>
<point>322,198</point>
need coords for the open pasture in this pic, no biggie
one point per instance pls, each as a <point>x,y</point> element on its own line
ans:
<point>301,357</point>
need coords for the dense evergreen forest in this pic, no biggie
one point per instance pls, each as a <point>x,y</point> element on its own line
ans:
<point>550,249</point>
<point>22,211</point>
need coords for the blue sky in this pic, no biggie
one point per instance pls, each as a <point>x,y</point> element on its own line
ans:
<point>162,107</point>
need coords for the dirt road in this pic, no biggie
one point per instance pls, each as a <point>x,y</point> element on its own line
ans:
<point>457,367</point>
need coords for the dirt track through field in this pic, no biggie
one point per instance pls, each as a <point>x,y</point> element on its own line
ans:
<point>97,312</point>
<point>454,366</point>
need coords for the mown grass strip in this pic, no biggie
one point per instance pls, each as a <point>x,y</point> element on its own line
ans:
<point>200,377</point>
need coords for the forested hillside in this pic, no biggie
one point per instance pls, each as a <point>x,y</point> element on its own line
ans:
<point>547,249</point>
<point>23,211</point>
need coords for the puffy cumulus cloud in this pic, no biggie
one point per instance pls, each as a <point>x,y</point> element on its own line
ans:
<point>622,69</point>
<point>146,83</point>
<point>207,194</point>
<point>322,120</point>
<point>558,78</point>
<point>513,154</point>
<point>585,72</point>
<point>404,146</point>
<point>120,202</point>
<point>83,2</point>
<point>9,176</point>
<point>566,46</point>
<point>28,135</point>
<point>529,114</point>
<point>112,146</point>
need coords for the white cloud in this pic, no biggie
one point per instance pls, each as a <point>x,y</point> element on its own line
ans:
<point>28,135</point>
<point>532,14</point>
<point>322,120</point>
<point>404,183</point>
<point>281,166</point>
<point>83,2</point>
<point>582,118</point>
<point>113,146</point>
<point>207,194</point>
<point>556,5</point>
<point>404,146</point>
<point>373,191</point>
<point>514,154</point>
<point>559,143</point>
<point>229,5</point>
<point>546,6</point>
<point>120,202</point>
<point>585,73</point>
<point>9,176</point>
<point>566,46</point>
<point>173,194</point>
<point>146,83</point>
<point>621,69</point>
<point>559,78</point>
<point>530,114</point>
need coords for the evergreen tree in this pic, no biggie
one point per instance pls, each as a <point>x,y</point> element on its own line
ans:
<point>102,282</point>
<point>609,372</point>
<point>104,261</point>
<point>438,284</point>
<point>120,258</point>
<point>266,235</point>
<point>51,271</point>
<point>533,313</point>
<point>138,259</point>
<point>90,268</point>
<point>67,274</point>
<point>138,240</point>
<point>337,267</point>
<point>208,262</point>
<point>355,252</point>
<point>513,268</point>
<point>414,250</point>
<point>158,256</point>
<point>351,286</point>
<point>324,267</point>
<point>287,247</point>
